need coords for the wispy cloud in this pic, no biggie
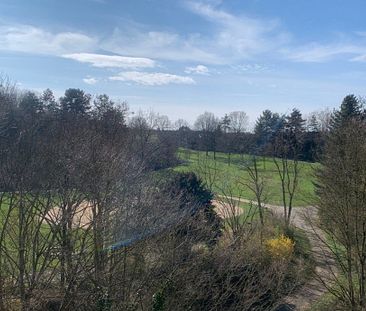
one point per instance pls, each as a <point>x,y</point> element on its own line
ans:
<point>344,46</point>
<point>30,39</point>
<point>243,36</point>
<point>231,37</point>
<point>318,53</point>
<point>360,58</point>
<point>114,61</point>
<point>138,41</point>
<point>250,68</point>
<point>199,69</point>
<point>152,79</point>
<point>90,80</point>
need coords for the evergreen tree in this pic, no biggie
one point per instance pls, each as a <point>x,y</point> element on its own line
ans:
<point>294,132</point>
<point>225,123</point>
<point>350,109</point>
<point>31,104</point>
<point>313,124</point>
<point>75,102</point>
<point>267,127</point>
<point>48,100</point>
<point>295,124</point>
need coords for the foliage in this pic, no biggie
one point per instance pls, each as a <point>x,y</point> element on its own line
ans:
<point>281,247</point>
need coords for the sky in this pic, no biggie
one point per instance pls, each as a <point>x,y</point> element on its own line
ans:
<point>184,57</point>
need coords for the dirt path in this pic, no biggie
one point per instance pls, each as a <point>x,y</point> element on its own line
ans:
<point>304,217</point>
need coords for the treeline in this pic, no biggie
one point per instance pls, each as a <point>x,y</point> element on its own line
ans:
<point>231,134</point>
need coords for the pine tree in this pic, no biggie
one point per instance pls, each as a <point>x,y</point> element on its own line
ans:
<point>313,124</point>
<point>75,102</point>
<point>350,109</point>
<point>267,127</point>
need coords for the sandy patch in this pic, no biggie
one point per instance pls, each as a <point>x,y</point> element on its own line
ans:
<point>81,214</point>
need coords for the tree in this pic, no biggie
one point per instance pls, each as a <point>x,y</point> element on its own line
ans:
<point>180,123</point>
<point>286,154</point>
<point>226,142</point>
<point>351,108</point>
<point>341,186</point>
<point>320,121</point>
<point>266,128</point>
<point>295,130</point>
<point>238,126</point>
<point>155,148</point>
<point>312,124</point>
<point>238,121</point>
<point>257,185</point>
<point>31,104</point>
<point>209,126</point>
<point>49,101</point>
<point>102,105</point>
<point>75,102</point>
<point>183,133</point>
<point>163,123</point>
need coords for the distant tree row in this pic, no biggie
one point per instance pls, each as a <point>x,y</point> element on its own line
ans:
<point>231,133</point>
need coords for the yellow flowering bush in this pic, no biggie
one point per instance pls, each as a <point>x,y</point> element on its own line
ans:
<point>281,247</point>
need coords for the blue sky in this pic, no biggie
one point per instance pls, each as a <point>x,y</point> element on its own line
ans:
<point>181,57</point>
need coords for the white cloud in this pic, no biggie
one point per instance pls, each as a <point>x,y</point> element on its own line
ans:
<point>199,69</point>
<point>152,79</point>
<point>90,80</point>
<point>30,39</point>
<point>116,61</point>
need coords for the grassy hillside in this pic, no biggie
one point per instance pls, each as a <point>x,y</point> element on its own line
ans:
<point>222,176</point>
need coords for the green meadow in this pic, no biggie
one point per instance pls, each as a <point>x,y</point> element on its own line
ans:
<point>226,174</point>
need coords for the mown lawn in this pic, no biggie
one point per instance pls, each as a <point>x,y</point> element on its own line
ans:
<point>224,177</point>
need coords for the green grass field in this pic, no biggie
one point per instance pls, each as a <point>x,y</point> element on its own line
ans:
<point>222,177</point>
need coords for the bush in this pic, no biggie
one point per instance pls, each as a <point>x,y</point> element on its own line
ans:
<point>281,247</point>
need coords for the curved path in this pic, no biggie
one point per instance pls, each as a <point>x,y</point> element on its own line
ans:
<point>305,218</point>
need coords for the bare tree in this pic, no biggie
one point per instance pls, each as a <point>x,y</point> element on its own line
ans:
<point>342,197</point>
<point>209,126</point>
<point>238,121</point>
<point>208,170</point>
<point>180,123</point>
<point>322,119</point>
<point>257,185</point>
<point>240,220</point>
<point>287,148</point>
<point>163,123</point>
<point>288,172</point>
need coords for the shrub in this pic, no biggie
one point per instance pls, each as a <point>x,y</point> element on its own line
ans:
<point>281,247</point>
